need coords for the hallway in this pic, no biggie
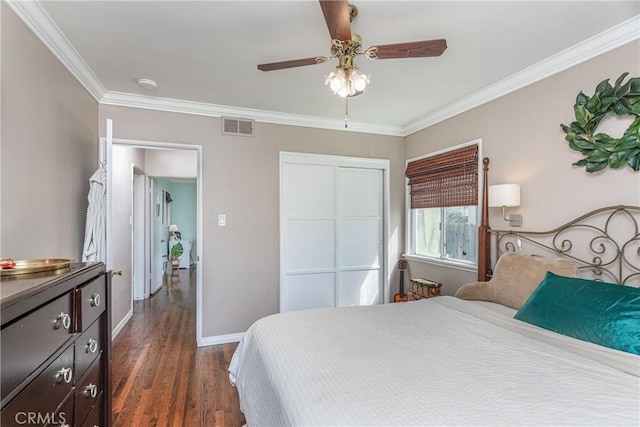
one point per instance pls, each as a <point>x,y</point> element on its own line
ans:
<point>159,376</point>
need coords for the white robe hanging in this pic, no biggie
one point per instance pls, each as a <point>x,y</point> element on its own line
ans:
<point>94,235</point>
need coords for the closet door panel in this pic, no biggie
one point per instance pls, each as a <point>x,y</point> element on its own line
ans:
<point>309,190</point>
<point>309,236</point>
<point>359,192</point>
<point>359,288</point>
<point>310,291</point>
<point>359,243</point>
<point>310,245</point>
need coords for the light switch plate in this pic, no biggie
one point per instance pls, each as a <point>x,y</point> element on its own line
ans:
<point>222,220</point>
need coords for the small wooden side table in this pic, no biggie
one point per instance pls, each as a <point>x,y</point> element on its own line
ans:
<point>424,288</point>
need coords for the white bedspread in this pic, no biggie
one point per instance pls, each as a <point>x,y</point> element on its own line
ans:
<point>427,362</point>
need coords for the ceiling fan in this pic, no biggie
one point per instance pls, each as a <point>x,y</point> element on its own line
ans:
<point>345,81</point>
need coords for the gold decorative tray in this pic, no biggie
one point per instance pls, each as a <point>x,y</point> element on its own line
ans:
<point>36,266</point>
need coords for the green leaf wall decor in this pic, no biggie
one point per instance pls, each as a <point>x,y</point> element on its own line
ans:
<point>599,149</point>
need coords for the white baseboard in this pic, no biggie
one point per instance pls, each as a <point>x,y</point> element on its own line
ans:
<point>220,339</point>
<point>203,342</point>
<point>120,326</point>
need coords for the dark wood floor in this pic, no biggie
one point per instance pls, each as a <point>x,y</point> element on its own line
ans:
<point>160,377</point>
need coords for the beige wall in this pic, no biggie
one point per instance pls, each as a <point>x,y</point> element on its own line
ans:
<point>521,135</point>
<point>49,149</point>
<point>240,262</point>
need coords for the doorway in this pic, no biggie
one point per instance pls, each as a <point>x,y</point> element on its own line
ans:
<point>130,225</point>
<point>173,225</point>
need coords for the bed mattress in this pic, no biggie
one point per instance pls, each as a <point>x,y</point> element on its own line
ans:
<point>439,361</point>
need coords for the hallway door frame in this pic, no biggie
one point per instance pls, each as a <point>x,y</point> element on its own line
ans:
<point>108,143</point>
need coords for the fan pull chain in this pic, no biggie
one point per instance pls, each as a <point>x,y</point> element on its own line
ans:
<point>346,113</point>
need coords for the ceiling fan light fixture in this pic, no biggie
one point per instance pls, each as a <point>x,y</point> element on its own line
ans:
<point>346,45</point>
<point>336,80</point>
<point>360,81</point>
<point>346,81</point>
<point>335,84</point>
<point>344,91</point>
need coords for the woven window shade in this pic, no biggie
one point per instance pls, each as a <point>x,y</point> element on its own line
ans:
<point>443,180</point>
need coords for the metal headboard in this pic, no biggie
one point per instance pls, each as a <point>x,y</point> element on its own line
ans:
<point>605,243</point>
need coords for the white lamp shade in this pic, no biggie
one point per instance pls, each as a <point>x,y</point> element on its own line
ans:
<point>504,195</point>
<point>173,227</point>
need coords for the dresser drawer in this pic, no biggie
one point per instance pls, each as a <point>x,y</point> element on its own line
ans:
<point>94,419</point>
<point>88,391</point>
<point>64,415</point>
<point>30,340</point>
<point>88,347</point>
<point>90,302</point>
<point>38,403</point>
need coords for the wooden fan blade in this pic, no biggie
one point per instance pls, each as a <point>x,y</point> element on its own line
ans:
<point>412,49</point>
<point>336,15</point>
<point>291,64</point>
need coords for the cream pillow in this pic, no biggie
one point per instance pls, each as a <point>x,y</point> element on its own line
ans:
<point>515,278</point>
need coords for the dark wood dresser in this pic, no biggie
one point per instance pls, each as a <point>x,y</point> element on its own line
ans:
<point>55,347</point>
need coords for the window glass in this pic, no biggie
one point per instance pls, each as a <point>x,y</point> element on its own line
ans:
<point>445,233</point>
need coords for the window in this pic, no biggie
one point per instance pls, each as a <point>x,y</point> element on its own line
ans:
<point>447,233</point>
<point>443,217</point>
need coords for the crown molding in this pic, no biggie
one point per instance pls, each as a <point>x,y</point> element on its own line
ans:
<point>204,109</point>
<point>39,21</point>
<point>610,39</point>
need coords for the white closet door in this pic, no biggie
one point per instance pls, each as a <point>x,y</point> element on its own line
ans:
<point>360,240</point>
<point>332,231</point>
<point>309,222</point>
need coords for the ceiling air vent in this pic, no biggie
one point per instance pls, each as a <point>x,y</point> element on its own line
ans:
<point>241,127</point>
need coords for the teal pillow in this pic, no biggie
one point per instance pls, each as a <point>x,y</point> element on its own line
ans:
<point>602,313</point>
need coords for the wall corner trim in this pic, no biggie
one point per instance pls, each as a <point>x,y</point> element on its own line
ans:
<point>37,19</point>
<point>599,44</point>
<point>122,99</point>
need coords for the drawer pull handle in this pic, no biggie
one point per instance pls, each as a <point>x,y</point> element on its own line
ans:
<point>66,374</point>
<point>95,300</point>
<point>65,425</point>
<point>65,319</point>
<point>92,345</point>
<point>91,390</point>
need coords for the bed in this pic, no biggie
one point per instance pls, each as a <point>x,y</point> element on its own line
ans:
<point>454,361</point>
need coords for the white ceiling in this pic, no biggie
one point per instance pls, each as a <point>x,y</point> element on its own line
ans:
<point>207,52</point>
